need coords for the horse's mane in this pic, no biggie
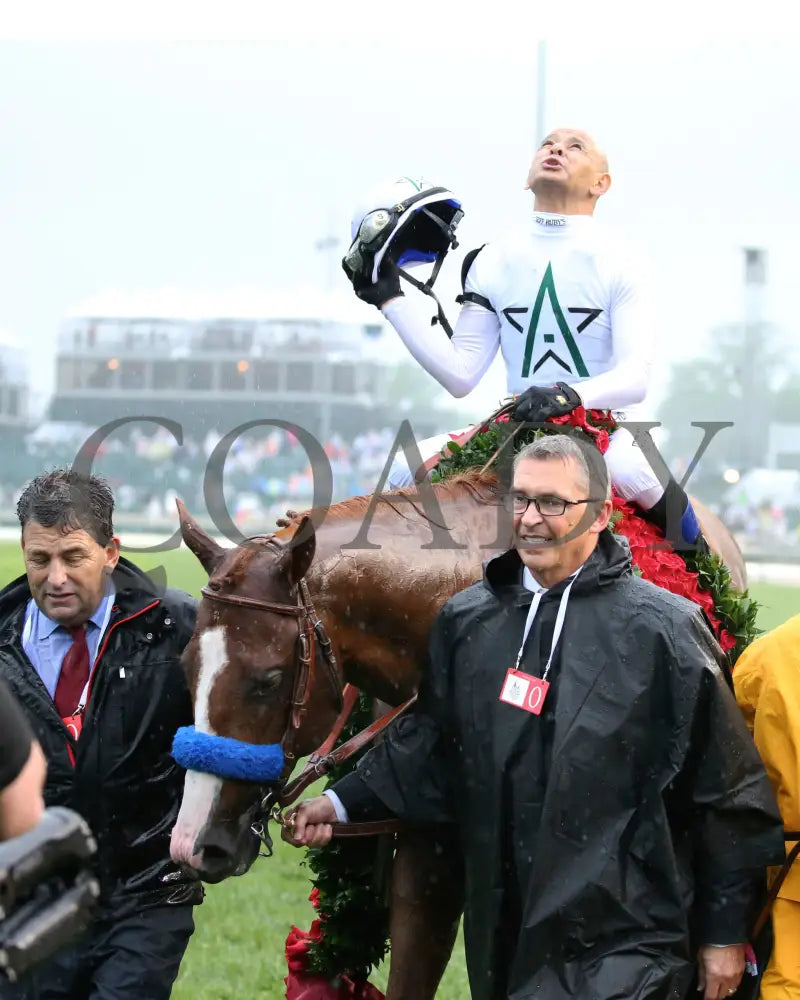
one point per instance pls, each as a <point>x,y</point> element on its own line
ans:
<point>481,487</point>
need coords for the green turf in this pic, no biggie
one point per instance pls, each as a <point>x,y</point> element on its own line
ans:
<point>238,947</point>
<point>777,603</point>
<point>237,950</point>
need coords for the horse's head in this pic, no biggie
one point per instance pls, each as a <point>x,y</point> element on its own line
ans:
<point>250,669</point>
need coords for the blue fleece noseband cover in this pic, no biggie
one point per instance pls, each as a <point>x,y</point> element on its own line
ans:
<point>227,758</point>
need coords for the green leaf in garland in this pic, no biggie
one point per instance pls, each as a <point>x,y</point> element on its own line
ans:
<point>354,915</point>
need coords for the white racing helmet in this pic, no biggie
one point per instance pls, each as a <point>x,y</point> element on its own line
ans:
<point>406,221</point>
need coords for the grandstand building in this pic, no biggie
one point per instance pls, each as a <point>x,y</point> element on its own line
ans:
<point>323,375</point>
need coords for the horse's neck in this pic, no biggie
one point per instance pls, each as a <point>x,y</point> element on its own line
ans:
<point>378,604</point>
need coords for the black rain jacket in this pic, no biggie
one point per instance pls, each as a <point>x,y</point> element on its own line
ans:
<point>119,775</point>
<point>601,838</point>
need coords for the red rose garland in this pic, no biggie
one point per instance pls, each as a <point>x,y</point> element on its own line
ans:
<point>302,986</point>
<point>655,560</point>
<point>598,424</point>
<point>652,556</point>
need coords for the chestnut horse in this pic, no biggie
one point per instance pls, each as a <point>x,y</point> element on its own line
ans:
<point>377,599</point>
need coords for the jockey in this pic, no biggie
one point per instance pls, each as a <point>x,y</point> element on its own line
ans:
<point>560,298</point>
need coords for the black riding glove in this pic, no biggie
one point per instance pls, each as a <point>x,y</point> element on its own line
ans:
<point>386,287</point>
<point>540,402</point>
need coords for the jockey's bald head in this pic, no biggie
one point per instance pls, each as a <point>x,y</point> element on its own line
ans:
<point>569,172</point>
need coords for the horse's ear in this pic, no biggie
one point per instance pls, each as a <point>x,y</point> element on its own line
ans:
<point>204,547</point>
<point>303,545</point>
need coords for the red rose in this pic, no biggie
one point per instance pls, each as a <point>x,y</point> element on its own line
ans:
<point>727,641</point>
<point>602,418</point>
<point>577,417</point>
<point>302,987</point>
<point>602,440</point>
<point>360,990</point>
<point>296,949</point>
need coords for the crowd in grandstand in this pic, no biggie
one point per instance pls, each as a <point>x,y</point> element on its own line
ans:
<point>147,467</point>
<point>263,472</point>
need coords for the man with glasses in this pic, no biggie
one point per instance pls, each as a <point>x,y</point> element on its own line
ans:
<point>576,724</point>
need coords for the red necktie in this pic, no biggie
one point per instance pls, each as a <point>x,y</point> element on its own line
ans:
<point>74,674</point>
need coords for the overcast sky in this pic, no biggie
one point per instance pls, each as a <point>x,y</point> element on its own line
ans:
<point>132,164</point>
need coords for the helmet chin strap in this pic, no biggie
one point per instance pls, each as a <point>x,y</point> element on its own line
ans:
<point>426,287</point>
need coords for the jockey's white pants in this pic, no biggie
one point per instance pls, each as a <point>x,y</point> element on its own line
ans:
<point>628,469</point>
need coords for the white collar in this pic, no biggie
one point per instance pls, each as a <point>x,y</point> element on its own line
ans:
<point>529,583</point>
<point>555,224</point>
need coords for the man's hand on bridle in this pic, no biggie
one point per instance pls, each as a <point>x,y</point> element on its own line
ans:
<point>310,823</point>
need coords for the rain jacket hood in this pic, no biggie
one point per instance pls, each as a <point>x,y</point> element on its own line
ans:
<point>610,561</point>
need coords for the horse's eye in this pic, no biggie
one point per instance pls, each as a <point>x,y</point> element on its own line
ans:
<point>266,684</point>
<point>214,585</point>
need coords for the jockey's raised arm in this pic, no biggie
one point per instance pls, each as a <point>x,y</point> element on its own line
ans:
<point>562,299</point>
<point>459,363</point>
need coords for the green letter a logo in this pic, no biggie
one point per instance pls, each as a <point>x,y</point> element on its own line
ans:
<point>548,288</point>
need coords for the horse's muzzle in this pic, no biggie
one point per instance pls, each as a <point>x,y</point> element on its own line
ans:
<point>221,852</point>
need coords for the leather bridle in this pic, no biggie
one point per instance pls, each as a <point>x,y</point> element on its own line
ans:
<point>310,633</point>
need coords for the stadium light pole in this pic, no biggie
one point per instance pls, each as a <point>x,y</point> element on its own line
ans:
<point>327,245</point>
<point>755,286</point>
<point>541,90</point>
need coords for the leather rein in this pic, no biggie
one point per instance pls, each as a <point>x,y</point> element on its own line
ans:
<point>312,637</point>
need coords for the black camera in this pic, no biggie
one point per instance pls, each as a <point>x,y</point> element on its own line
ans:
<point>47,892</point>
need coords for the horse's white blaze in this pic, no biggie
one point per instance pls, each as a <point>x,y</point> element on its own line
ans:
<point>200,791</point>
<point>213,660</point>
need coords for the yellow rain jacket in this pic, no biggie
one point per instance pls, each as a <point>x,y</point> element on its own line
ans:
<point>767,683</point>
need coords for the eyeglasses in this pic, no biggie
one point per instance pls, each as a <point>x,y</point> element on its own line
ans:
<point>518,503</point>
